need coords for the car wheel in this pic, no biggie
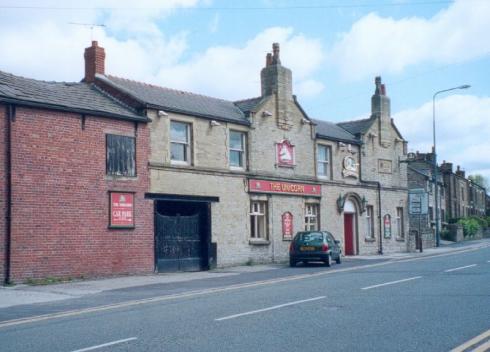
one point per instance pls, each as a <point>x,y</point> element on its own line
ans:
<point>339,259</point>
<point>292,262</point>
<point>327,261</point>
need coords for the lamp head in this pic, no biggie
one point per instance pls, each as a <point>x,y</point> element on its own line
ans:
<point>464,86</point>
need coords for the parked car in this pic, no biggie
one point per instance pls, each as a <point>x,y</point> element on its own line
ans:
<point>309,246</point>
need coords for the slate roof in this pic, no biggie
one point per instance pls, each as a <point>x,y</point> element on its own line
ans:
<point>249,105</point>
<point>171,100</point>
<point>357,126</point>
<point>332,131</point>
<point>68,96</point>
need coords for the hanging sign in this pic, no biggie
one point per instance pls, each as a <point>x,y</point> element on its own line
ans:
<point>285,154</point>
<point>287,226</point>
<point>387,225</point>
<point>121,209</point>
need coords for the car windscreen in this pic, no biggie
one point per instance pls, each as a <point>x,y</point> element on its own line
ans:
<point>310,238</point>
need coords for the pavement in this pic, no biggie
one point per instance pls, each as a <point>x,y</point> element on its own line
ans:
<point>11,296</point>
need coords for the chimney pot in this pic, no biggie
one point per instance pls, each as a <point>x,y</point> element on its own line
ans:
<point>268,59</point>
<point>275,54</point>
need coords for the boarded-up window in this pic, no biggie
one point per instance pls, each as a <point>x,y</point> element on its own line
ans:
<point>120,155</point>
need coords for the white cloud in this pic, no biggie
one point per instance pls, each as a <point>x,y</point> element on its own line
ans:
<point>462,130</point>
<point>233,72</point>
<point>47,47</point>
<point>309,88</point>
<point>378,44</point>
<point>42,44</point>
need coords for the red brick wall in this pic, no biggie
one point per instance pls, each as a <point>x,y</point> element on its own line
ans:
<point>3,185</point>
<point>61,203</point>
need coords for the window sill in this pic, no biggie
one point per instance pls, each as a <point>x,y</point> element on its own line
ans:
<point>237,168</point>
<point>179,163</point>
<point>258,242</point>
<point>121,178</point>
<point>369,239</point>
<point>324,178</point>
<point>113,227</point>
<point>400,239</point>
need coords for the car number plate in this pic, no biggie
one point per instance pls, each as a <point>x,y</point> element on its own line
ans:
<point>307,248</point>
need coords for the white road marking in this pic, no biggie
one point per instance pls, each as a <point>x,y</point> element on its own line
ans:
<point>472,342</point>
<point>106,344</point>
<point>460,268</point>
<point>391,282</point>
<point>483,348</point>
<point>157,299</point>
<point>269,308</point>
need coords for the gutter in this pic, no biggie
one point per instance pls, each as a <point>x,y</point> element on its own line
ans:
<point>378,184</point>
<point>10,113</point>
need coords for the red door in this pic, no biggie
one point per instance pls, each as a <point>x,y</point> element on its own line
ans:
<point>348,234</point>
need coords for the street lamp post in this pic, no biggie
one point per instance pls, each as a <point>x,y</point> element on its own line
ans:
<point>434,173</point>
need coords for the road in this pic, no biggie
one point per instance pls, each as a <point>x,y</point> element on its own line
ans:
<point>422,304</point>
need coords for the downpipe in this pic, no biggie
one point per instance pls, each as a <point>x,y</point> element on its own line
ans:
<point>378,185</point>
<point>10,113</point>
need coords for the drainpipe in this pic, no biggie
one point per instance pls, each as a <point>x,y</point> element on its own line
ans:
<point>378,184</point>
<point>8,169</point>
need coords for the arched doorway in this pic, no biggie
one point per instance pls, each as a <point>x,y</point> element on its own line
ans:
<point>350,228</point>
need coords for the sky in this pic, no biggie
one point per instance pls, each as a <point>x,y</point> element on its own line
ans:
<point>335,48</point>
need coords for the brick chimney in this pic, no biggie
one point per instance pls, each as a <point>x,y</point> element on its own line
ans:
<point>276,78</point>
<point>460,172</point>
<point>380,103</point>
<point>94,62</point>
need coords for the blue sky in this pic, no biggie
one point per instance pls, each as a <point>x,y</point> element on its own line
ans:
<point>335,49</point>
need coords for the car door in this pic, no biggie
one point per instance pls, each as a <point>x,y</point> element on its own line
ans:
<point>334,246</point>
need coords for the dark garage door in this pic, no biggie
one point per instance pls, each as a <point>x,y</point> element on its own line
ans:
<point>180,236</point>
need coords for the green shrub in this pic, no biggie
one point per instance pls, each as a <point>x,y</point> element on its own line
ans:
<point>488,220</point>
<point>470,226</point>
<point>482,221</point>
<point>445,235</point>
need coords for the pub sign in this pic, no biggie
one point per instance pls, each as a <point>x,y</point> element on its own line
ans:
<point>121,209</point>
<point>285,153</point>
<point>287,226</point>
<point>387,225</point>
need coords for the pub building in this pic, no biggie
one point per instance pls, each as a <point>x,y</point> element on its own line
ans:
<point>232,182</point>
<point>170,180</point>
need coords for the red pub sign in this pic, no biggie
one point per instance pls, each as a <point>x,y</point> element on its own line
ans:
<point>287,226</point>
<point>121,209</point>
<point>285,153</point>
<point>263,186</point>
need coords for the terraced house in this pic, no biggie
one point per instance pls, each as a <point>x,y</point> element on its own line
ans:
<point>231,182</point>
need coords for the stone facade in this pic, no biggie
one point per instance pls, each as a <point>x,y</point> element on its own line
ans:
<point>276,118</point>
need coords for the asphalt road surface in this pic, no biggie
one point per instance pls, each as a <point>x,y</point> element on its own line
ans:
<point>423,304</point>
